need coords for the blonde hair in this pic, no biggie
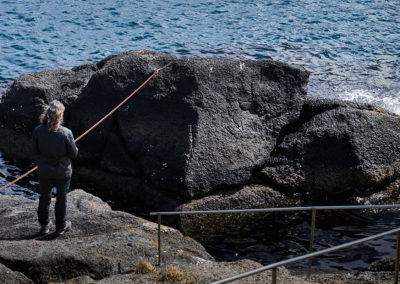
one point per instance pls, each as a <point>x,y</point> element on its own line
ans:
<point>53,115</point>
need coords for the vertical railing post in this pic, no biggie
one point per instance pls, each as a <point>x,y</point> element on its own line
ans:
<point>159,238</point>
<point>396,266</point>
<point>314,213</point>
<point>273,281</point>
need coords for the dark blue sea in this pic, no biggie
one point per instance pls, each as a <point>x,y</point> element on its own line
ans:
<point>351,47</point>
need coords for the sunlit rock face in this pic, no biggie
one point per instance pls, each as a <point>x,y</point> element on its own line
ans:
<point>200,125</point>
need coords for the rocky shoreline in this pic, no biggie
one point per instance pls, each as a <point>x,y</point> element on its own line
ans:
<point>207,124</point>
<point>205,133</point>
<point>107,246</point>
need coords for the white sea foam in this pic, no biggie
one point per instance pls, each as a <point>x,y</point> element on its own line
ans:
<point>389,102</point>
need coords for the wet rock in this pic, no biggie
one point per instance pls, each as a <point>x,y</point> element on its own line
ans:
<point>388,195</point>
<point>385,264</point>
<point>248,197</point>
<point>335,149</point>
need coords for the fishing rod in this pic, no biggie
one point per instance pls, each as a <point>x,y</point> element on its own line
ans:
<point>97,123</point>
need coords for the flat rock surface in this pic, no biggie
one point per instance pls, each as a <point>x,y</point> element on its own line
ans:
<point>103,242</point>
<point>104,246</point>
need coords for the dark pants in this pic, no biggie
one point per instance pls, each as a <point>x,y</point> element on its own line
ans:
<point>62,186</point>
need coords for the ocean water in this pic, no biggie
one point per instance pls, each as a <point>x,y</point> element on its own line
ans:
<point>286,235</point>
<point>352,48</point>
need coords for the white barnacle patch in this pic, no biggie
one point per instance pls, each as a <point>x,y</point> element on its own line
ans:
<point>199,260</point>
<point>153,226</point>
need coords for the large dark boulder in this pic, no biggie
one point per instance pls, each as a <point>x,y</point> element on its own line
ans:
<point>207,123</point>
<point>200,125</point>
<point>203,125</point>
<point>336,148</point>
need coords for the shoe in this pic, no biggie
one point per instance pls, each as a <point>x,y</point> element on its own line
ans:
<point>67,227</point>
<point>45,229</point>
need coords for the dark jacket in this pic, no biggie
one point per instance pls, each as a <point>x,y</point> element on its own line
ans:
<point>53,151</point>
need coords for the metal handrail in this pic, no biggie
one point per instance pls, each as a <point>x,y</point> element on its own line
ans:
<point>281,209</point>
<point>264,210</point>
<point>314,254</point>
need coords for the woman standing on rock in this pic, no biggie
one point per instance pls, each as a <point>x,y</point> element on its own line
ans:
<point>53,147</point>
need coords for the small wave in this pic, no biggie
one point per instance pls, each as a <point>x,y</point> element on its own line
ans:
<point>390,103</point>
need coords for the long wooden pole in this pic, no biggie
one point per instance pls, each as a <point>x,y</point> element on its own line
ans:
<point>94,125</point>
